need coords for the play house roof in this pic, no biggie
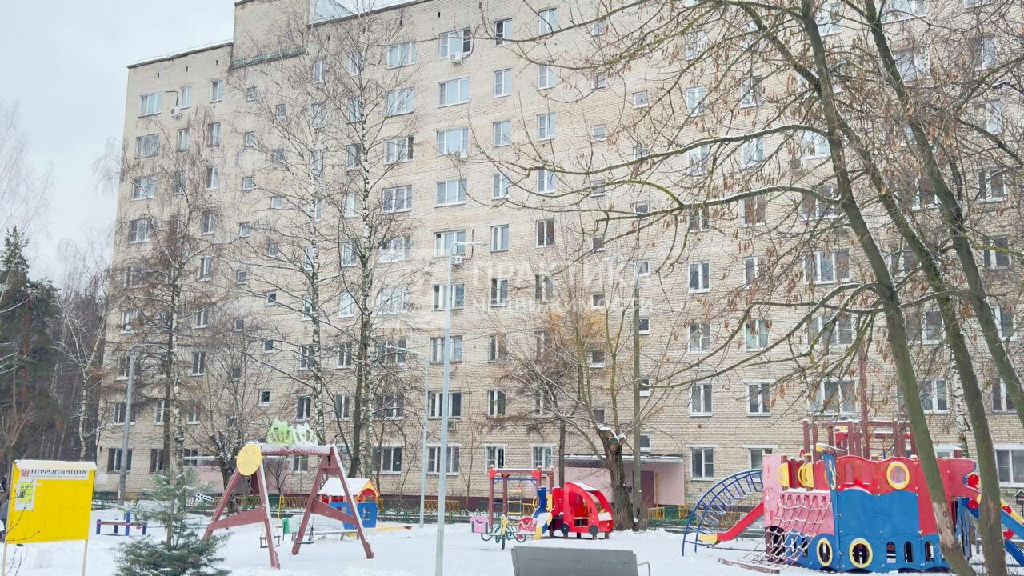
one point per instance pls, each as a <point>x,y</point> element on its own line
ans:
<point>357,486</point>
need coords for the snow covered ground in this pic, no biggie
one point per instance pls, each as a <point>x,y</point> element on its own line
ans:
<point>398,553</point>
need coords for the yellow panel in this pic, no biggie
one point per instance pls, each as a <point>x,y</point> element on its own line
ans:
<point>52,501</point>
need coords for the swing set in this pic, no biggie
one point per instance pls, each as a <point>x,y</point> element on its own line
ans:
<point>514,503</point>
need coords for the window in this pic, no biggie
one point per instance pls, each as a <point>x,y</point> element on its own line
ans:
<point>695,44</point>
<point>818,205</point>
<point>268,345</point>
<point>934,397</point>
<point>208,222</point>
<point>751,92</point>
<point>119,413</point>
<point>547,21</point>
<point>205,267</point>
<point>453,92</point>
<point>202,318</point>
<point>502,133</point>
<point>270,298</point>
<point>354,110</point>
<point>641,99</point>
<point>144,187</point>
<point>596,358</point>
<point>759,398</point>
<point>454,405</point>
<point>499,238</point>
<point>303,408</point>
<point>353,157</point>
<point>398,150</point>
<point>395,249</point>
<point>544,287</point>
<point>600,81</point>
<point>238,325</point>
<point>319,71</point>
<point>700,277</point>
<point>185,97</point>
<point>316,163</point>
<point>599,28</point>
<point>824,267</point>
<point>700,399</point>
<point>388,459</point>
<point>400,55</point>
<point>396,199</point>
<point>751,270</point>
<point>451,192</point>
<point>827,331</point>
<point>642,268</point>
<point>912,64</point>
<point>546,77</point>
<point>546,126</point>
<point>1009,465</point>
<point>455,44</point>
<point>502,82</point>
<point>451,460</point>
<point>598,133</point>
<point>401,101</point>
<point>702,463</point>
<point>437,350</point>
<point>502,32</point>
<point>495,456</point>
<point>1001,401</point>
<point>212,178</point>
<point>996,253</point>
<point>496,350</point>
<point>348,254</point>
<point>147,145</point>
<point>752,152</point>
<point>696,98</point>
<point>356,63</point>
<point>344,360</point>
<point>598,187</point>
<point>753,210</point>
<point>184,139</point>
<point>281,112</point>
<point>213,134</point>
<point>755,333</point>
<point>546,232</point>
<point>903,9</point>
<point>990,116</point>
<point>198,363</point>
<point>500,186</point>
<point>129,320</point>
<point>149,104</point>
<point>813,145</point>
<point>495,403</point>
<point>393,300</point>
<point>216,90</point>
<point>300,463</point>
<point>1003,317</point>
<point>453,141</point>
<point>829,18</point>
<point>445,241</point>
<point>757,457</point>
<point>645,443</point>
<point>389,406</point>
<point>645,325</point>
<point>833,397</point>
<point>347,308</point>
<point>193,415</point>
<point>700,337</point>
<point>697,160</point>
<point>598,415</point>
<point>991,186</point>
<point>543,457</point>
<point>499,291</point>
<point>983,52</point>
<point>546,181</point>
<point>114,460</point>
<point>156,460</point>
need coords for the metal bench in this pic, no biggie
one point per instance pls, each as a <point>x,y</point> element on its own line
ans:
<point>544,561</point>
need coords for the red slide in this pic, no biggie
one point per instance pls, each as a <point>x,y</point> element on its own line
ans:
<point>735,531</point>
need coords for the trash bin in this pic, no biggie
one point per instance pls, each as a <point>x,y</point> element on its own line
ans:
<point>286,527</point>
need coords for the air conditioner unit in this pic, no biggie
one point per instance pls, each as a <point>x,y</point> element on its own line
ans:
<point>457,260</point>
<point>457,57</point>
<point>176,112</point>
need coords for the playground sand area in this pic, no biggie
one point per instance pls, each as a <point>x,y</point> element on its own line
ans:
<point>398,552</point>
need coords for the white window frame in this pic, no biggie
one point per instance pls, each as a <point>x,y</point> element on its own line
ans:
<point>759,397</point>
<point>701,272</point>
<point>453,92</point>
<point>706,472</point>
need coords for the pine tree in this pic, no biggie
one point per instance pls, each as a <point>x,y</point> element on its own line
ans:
<point>186,553</point>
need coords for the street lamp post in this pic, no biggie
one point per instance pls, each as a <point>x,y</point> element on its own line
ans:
<point>122,481</point>
<point>423,442</point>
<point>442,457</point>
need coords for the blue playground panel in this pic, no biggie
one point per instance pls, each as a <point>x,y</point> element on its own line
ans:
<point>367,513</point>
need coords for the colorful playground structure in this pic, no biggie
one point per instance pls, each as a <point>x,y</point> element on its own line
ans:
<point>535,504</point>
<point>845,511</point>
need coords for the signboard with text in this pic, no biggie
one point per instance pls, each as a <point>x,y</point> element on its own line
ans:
<point>50,501</point>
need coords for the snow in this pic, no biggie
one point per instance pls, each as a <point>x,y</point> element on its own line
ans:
<point>398,553</point>
<point>332,487</point>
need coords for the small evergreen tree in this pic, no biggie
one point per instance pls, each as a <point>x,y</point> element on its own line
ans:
<point>186,553</point>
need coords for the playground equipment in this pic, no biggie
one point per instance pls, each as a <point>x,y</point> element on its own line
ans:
<point>505,531</point>
<point>365,493</point>
<point>250,463</point>
<point>579,508</point>
<point>126,523</point>
<point>846,511</point>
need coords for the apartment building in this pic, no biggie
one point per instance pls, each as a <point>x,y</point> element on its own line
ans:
<point>305,183</point>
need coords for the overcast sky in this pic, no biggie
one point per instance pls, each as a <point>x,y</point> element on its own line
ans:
<point>64,65</point>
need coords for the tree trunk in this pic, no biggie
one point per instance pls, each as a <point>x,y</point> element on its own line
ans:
<point>561,451</point>
<point>622,508</point>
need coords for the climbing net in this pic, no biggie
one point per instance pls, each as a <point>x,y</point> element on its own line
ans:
<point>797,516</point>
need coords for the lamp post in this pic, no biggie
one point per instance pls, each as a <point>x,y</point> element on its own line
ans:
<point>423,440</point>
<point>122,481</point>
<point>446,373</point>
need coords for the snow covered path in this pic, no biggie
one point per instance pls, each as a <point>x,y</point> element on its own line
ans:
<point>398,553</point>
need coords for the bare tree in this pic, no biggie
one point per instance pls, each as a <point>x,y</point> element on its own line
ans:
<point>22,188</point>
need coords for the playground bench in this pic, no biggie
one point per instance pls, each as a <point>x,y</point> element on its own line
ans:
<point>543,561</point>
<point>128,524</point>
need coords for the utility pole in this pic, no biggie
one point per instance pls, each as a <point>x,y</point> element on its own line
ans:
<point>638,499</point>
<point>122,481</point>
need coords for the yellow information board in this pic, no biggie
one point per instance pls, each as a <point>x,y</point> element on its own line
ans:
<point>50,501</point>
